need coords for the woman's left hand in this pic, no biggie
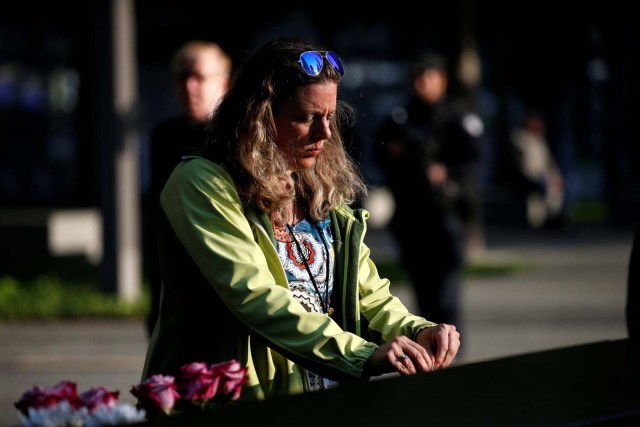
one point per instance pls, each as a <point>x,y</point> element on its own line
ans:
<point>441,342</point>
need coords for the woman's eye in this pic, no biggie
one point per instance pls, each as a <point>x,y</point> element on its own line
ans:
<point>305,119</point>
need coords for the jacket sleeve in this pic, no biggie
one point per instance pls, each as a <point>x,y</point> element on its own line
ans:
<point>205,212</point>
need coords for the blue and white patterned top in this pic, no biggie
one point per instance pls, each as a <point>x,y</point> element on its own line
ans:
<point>310,251</point>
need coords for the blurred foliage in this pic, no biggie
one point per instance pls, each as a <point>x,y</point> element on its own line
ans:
<point>474,269</point>
<point>589,212</point>
<point>60,288</point>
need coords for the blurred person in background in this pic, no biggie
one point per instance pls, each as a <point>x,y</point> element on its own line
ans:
<point>430,154</point>
<point>263,259</point>
<point>538,177</point>
<point>201,72</point>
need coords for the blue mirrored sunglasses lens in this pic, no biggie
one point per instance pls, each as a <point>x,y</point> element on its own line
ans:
<point>335,61</point>
<point>311,63</point>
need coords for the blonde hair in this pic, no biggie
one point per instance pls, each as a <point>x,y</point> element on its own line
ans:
<point>243,134</point>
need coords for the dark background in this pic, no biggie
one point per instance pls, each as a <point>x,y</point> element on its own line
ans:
<point>577,64</point>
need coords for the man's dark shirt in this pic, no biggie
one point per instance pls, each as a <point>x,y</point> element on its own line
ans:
<point>419,135</point>
<point>169,141</point>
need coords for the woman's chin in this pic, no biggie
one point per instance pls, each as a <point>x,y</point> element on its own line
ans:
<point>305,163</point>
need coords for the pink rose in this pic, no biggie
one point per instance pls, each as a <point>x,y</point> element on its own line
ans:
<point>99,396</point>
<point>232,377</point>
<point>158,392</point>
<point>196,382</point>
<point>44,397</point>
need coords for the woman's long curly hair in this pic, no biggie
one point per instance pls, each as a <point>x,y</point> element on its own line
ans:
<point>242,136</point>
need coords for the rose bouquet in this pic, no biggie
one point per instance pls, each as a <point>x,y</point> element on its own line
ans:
<point>197,385</point>
<point>62,406</point>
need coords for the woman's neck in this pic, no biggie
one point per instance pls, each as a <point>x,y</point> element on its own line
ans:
<point>296,212</point>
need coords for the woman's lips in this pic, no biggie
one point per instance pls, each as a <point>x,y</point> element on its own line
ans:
<point>314,150</point>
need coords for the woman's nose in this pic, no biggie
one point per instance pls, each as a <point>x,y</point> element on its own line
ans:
<point>323,129</point>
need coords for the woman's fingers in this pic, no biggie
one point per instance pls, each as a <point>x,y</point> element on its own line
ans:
<point>435,348</point>
<point>445,340</point>
<point>408,357</point>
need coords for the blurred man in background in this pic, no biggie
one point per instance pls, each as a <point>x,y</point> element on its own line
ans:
<point>201,73</point>
<point>429,152</point>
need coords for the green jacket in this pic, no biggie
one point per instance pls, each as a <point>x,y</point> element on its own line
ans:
<point>225,294</point>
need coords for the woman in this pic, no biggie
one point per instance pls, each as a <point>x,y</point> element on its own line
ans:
<point>262,259</point>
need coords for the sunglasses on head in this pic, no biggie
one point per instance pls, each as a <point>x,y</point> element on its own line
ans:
<point>312,63</point>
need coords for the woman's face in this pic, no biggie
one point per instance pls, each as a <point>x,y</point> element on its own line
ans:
<point>303,122</point>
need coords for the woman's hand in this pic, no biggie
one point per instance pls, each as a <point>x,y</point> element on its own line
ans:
<point>441,343</point>
<point>434,348</point>
<point>402,355</point>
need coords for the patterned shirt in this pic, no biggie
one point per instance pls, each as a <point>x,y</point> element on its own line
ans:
<point>304,252</point>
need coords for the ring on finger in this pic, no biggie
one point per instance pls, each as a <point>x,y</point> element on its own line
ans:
<point>403,357</point>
